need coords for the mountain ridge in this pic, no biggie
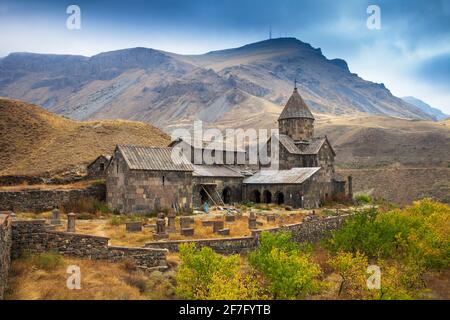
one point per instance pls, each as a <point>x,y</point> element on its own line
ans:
<point>171,90</point>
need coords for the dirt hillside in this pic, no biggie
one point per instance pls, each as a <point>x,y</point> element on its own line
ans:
<point>34,141</point>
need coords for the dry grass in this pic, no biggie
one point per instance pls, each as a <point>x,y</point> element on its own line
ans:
<point>99,281</point>
<point>25,186</point>
<point>35,141</point>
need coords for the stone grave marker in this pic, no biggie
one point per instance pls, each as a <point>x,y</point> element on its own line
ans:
<point>71,218</point>
<point>133,226</point>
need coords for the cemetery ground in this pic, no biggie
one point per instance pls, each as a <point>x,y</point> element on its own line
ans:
<point>411,245</point>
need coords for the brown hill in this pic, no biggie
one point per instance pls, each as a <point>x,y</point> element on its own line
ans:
<point>34,141</point>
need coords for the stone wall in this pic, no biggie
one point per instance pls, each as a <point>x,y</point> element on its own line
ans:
<point>31,236</point>
<point>39,200</point>
<point>5,251</point>
<point>310,231</point>
<point>220,245</point>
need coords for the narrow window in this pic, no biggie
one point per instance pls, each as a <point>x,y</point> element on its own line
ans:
<point>117,167</point>
<point>163,180</point>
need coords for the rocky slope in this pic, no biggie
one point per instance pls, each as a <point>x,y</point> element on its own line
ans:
<point>170,90</point>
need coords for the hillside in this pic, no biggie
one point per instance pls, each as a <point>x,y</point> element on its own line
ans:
<point>436,113</point>
<point>35,141</point>
<point>170,90</point>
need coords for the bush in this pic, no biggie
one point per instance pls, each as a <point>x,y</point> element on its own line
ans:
<point>86,205</point>
<point>204,274</point>
<point>363,198</point>
<point>352,269</point>
<point>419,233</point>
<point>286,266</point>
<point>46,261</point>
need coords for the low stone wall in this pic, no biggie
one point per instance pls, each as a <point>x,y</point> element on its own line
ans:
<point>5,251</point>
<point>220,245</point>
<point>39,200</point>
<point>310,231</point>
<point>32,236</point>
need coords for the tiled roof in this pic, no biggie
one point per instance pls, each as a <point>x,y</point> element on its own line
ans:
<point>292,176</point>
<point>154,158</point>
<point>215,171</point>
<point>296,108</point>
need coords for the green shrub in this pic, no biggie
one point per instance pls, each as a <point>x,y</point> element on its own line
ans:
<point>46,261</point>
<point>286,266</point>
<point>363,198</point>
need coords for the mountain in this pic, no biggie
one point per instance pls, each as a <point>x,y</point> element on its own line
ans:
<point>434,112</point>
<point>37,142</point>
<point>235,87</point>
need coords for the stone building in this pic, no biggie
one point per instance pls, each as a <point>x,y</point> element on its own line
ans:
<point>97,168</point>
<point>143,179</point>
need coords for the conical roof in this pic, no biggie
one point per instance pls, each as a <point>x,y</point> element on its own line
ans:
<point>296,108</point>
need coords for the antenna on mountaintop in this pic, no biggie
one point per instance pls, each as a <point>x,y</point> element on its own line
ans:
<point>270,32</point>
<point>295,84</point>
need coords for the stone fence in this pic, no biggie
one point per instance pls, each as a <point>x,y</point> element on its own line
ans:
<point>5,250</point>
<point>32,236</point>
<point>311,231</point>
<point>38,200</point>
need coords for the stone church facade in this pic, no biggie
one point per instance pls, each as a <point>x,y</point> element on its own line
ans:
<point>143,179</point>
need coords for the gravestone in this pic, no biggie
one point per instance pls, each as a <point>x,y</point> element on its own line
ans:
<point>218,225</point>
<point>171,222</point>
<point>270,218</point>
<point>55,217</point>
<point>252,220</point>
<point>160,228</point>
<point>187,232</point>
<point>133,226</point>
<point>185,222</point>
<point>230,218</point>
<point>207,223</point>
<point>71,217</point>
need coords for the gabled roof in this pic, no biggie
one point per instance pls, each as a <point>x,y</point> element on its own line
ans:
<point>292,176</point>
<point>311,147</point>
<point>154,158</point>
<point>296,108</point>
<point>205,145</point>
<point>107,157</point>
<point>215,171</point>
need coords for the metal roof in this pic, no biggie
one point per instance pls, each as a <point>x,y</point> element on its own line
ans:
<point>296,108</point>
<point>207,145</point>
<point>154,158</point>
<point>292,176</point>
<point>215,171</point>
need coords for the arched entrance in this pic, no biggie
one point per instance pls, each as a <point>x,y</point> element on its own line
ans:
<point>256,196</point>
<point>280,197</point>
<point>226,195</point>
<point>267,196</point>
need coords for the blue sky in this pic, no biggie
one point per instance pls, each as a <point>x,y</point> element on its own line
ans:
<point>410,54</point>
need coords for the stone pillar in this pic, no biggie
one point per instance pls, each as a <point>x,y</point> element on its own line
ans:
<point>350,187</point>
<point>252,220</point>
<point>55,217</point>
<point>71,217</point>
<point>171,222</point>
